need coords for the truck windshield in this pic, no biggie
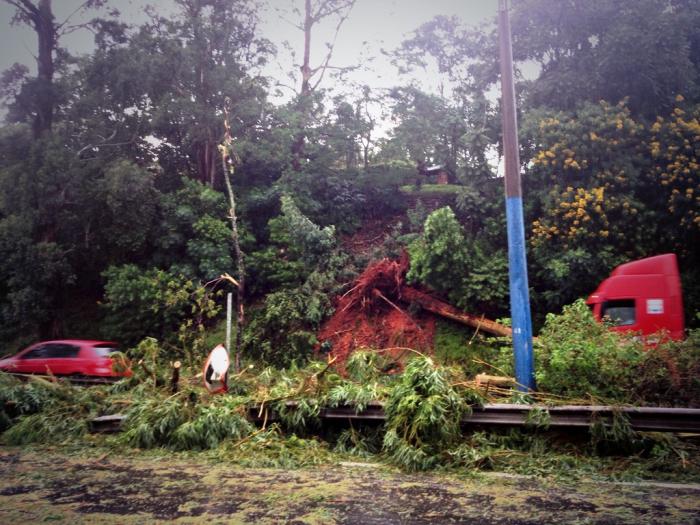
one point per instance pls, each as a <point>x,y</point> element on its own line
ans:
<point>620,312</point>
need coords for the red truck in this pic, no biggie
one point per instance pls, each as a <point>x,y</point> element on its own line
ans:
<point>642,296</point>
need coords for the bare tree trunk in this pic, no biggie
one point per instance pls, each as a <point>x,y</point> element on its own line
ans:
<point>227,164</point>
<point>39,17</point>
<point>46,32</point>
<point>306,74</point>
<point>38,14</point>
<point>211,157</point>
<point>350,154</point>
<point>312,15</point>
<point>206,161</point>
<point>240,318</point>
<point>443,309</point>
<point>365,137</point>
<point>206,148</point>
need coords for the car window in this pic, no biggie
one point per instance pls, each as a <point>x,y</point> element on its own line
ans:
<point>39,352</point>
<point>104,351</point>
<point>53,351</point>
<point>621,312</point>
<point>58,351</point>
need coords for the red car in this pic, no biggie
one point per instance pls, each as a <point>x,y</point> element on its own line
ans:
<point>69,357</point>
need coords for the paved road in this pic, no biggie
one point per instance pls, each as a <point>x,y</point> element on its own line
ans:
<point>54,487</point>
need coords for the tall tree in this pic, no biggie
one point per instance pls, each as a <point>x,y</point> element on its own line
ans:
<point>604,188</point>
<point>431,129</point>
<point>367,122</point>
<point>171,76</point>
<point>314,13</point>
<point>576,50</point>
<point>349,135</point>
<point>608,50</point>
<point>40,17</point>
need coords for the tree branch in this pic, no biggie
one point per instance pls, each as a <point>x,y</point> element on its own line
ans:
<point>321,14</point>
<point>26,11</point>
<point>81,7</point>
<point>25,5</point>
<point>282,84</point>
<point>324,66</point>
<point>106,143</point>
<point>285,19</point>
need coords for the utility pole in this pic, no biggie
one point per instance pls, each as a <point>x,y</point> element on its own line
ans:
<point>517,262</point>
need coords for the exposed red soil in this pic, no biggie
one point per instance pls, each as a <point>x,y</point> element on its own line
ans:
<point>375,314</point>
<point>368,316</point>
<point>372,234</point>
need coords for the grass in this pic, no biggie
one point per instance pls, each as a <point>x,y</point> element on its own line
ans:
<point>456,344</point>
<point>217,334</point>
<point>431,189</point>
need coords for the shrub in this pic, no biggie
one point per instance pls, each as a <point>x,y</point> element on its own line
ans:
<point>669,374</point>
<point>283,330</point>
<point>303,240</point>
<point>577,356</point>
<point>423,415</point>
<point>456,344</point>
<point>444,259</point>
<point>156,303</point>
<point>210,247</point>
<point>269,269</point>
<point>135,303</point>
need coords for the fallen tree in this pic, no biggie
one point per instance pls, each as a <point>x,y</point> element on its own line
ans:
<point>377,313</point>
<point>448,311</point>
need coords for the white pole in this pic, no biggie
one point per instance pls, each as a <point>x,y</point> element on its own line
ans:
<point>229,312</point>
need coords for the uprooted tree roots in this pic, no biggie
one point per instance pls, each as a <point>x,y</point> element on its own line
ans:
<point>381,312</point>
<point>368,316</point>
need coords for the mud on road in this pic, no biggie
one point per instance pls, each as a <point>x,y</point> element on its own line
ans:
<point>51,486</point>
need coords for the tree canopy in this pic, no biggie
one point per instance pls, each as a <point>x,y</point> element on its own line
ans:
<point>112,184</point>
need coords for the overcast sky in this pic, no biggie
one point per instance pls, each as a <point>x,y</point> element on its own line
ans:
<point>379,24</point>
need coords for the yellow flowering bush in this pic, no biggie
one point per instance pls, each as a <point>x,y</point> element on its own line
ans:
<point>587,165</point>
<point>674,146</point>
<point>605,178</point>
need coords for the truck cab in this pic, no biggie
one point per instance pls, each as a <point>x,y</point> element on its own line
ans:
<point>642,296</point>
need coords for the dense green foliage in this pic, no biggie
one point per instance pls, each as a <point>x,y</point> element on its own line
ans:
<point>43,411</point>
<point>424,412</point>
<point>424,406</point>
<point>113,222</point>
<point>464,271</point>
<point>577,357</point>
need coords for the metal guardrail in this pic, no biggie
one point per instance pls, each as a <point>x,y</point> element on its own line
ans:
<point>657,419</point>
<point>569,416</point>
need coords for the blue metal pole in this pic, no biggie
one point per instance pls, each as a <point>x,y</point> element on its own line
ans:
<point>517,261</point>
<point>519,296</point>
